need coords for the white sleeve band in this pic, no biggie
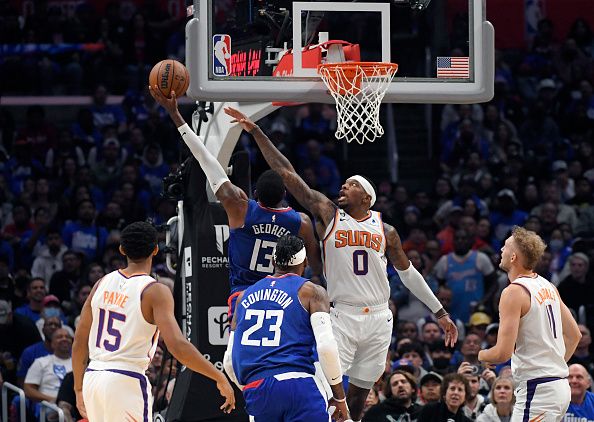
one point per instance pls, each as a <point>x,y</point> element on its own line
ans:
<point>414,281</point>
<point>228,361</point>
<point>326,347</point>
<point>215,173</point>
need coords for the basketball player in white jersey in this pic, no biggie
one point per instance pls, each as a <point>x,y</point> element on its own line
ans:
<point>536,330</point>
<point>118,333</point>
<point>356,244</point>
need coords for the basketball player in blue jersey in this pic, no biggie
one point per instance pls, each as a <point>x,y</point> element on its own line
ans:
<point>356,245</point>
<point>536,329</point>
<point>255,226</point>
<point>117,336</point>
<point>277,323</point>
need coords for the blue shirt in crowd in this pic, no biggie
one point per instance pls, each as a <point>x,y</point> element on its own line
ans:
<point>37,350</point>
<point>581,412</point>
<point>87,239</point>
<point>25,310</point>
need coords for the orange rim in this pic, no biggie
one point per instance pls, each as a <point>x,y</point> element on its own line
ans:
<point>366,66</point>
<point>345,78</point>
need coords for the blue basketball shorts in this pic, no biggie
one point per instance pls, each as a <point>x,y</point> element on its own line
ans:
<point>288,397</point>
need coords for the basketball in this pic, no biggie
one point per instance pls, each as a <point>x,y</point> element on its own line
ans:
<point>170,75</point>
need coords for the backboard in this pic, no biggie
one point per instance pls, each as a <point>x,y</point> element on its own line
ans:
<point>265,50</point>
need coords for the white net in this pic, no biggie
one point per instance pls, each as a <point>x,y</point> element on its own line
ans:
<point>358,89</point>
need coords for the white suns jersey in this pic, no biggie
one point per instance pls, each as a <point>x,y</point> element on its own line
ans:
<point>540,350</point>
<point>354,260</point>
<point>120,337</point>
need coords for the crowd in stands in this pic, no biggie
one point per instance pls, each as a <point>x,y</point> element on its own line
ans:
<point>525,158</point>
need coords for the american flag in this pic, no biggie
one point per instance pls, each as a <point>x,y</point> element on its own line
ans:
<point>453,67</point>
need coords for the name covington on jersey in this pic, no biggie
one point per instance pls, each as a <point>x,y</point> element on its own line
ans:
<point>273,295</point>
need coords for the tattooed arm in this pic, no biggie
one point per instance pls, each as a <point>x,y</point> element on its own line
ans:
<point>312,247</point>
<point>317,203</point>
<point>415,282</point>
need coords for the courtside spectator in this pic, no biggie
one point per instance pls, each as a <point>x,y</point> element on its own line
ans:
<point>454,390</point>
<point>581,407</point>
<point>400,392</point>
<point>49,260</point>
<point>44,377</point>
<point>36,291</point>
<point>39,349</point>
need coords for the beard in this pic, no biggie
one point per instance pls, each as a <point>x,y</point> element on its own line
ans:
<point>402,401</point>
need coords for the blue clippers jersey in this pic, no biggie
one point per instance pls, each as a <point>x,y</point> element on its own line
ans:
<point>273,333</point>
<point>250,247</point>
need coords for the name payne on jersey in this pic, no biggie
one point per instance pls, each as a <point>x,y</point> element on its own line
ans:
<point>358,238</point>
<point>272,229</point>
<point>273,295</point>
<point>115,298</point>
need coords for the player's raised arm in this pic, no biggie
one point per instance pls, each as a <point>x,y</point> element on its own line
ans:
<point>317,203</point>
<point>159,301</point>
<point>234,199</point>
<point>312,247</point>
<point>414,281</point>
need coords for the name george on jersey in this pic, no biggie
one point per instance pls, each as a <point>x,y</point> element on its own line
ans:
<point>273,229</point>
<point>114,298</point>
<point>344,238</point>
<point>272,295</point>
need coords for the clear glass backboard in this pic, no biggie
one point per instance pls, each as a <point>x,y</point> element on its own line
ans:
<point>250,50</point>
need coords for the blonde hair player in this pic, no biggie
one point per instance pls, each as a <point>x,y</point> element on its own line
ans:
<point>118,333</point>
<point>536,330</point>
<point>356,244</point>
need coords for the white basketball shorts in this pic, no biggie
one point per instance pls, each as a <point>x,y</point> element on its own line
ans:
<point>117,395</point>
<point>363,335</point>
<point>542,400</point>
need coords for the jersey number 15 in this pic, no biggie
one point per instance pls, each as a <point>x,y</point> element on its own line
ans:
<point>112,317</point>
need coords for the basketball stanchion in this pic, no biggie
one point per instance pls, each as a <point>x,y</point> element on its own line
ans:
<point>358,89</point>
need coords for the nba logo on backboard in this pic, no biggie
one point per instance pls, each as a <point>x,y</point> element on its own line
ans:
<point>221,55</point>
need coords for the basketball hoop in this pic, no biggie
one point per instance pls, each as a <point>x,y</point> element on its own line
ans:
<point>358,89</point>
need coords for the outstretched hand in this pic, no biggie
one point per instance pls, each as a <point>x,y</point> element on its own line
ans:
<point>449,328</point>
<point>169,104</point>
<point>239,117</point>
<point>338,410</point>
<point>228,394</point>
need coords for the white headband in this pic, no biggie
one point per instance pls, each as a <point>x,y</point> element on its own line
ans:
<point>296,259</point>
<point>366,187</point>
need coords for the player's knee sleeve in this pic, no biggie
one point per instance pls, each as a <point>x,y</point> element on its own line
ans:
<point>327,347</point>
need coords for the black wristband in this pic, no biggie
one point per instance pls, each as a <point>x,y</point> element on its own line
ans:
<point>441,313</point>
